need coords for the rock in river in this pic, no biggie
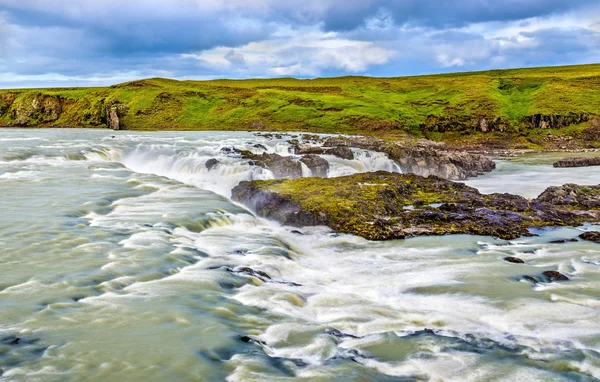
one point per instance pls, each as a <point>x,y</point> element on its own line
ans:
<point>317,165</point>
<point>591,236</point>
<point>383,206</point>
<point>578,162</point>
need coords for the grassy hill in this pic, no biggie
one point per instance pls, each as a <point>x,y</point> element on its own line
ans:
<point>524,104</point>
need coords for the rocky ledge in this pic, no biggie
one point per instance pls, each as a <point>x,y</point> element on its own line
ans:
<point>383,206</point>
<point>578,162</point>
<point>421,157</point>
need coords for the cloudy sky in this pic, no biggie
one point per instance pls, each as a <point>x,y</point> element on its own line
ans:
<point>98,42</point>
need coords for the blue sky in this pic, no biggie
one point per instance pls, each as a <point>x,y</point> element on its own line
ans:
<point>100,42</point>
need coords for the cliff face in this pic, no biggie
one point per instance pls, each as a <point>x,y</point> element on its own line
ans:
<point>522,105</point>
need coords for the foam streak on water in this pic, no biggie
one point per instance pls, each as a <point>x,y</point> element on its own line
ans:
<point>123,259</point>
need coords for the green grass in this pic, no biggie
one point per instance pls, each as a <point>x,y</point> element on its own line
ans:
<point>447,106</point>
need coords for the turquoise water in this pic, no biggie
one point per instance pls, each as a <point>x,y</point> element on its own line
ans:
<point>124,259</point>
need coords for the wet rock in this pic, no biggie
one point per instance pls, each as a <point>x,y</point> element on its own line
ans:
<point>531,279</point>
<point>211,163</point>
<point>280,166</point>
<point>11,340</point>
<point>317,165</point>
<point>299,149</point>
<point>339,334</point>
<point>373,205</point>
<point>340,152</point>
<point>554,276</point>
<point>591,236</point>
<point>572,196</point>
<point>260,147</point>
<point>251,272</point>
<point>423,157</point>
<point>228,150</point>
<point>248,339</point>
<point>563,241</point>
<point>578,162</point>
<point>514,260</point>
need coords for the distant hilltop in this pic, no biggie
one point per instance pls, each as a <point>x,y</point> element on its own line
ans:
<point>528,108</point>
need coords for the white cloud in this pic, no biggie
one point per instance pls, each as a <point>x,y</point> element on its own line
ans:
<point>301,52</point>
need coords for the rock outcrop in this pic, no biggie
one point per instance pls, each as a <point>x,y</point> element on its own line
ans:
<point>578,162</point>
<point>383,206</point>
<point>113,114</point>
<point>422,157</point>
<point>211,163</point>
<point>591,236</point>
<point>572,196</point>
<point>280,166</point>
<point>317,165</point>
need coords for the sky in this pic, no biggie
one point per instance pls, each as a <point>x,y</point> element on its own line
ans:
<point>102,42</point>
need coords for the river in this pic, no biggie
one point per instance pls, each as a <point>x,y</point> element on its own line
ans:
<point>122,258</point>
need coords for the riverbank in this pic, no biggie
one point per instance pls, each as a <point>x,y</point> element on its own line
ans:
<point>541,108</point>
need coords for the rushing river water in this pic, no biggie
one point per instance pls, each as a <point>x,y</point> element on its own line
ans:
<point>123,259</point>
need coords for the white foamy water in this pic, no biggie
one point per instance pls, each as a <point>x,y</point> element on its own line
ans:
<point>123,259</point>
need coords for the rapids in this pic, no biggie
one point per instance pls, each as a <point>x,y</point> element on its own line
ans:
<point>124,259</point>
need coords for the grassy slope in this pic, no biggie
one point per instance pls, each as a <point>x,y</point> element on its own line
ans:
<point>381,106</point>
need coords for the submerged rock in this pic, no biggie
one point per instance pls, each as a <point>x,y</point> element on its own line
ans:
<point>211,163</point>
<point>555,276</point>
<point>563,241</point>
<point>374,206</point>
<point>280,166</point>
<point>591,236</point>
<point>514,260</point>
<point>531,279</point>
<point>578,162</point>
<point>317,165</point>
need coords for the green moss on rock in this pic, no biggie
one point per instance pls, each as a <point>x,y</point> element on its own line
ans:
<point>382,206</point>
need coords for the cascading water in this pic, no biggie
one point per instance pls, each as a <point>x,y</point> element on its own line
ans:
<point>123,259</point>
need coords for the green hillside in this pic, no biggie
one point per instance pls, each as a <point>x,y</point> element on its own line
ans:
<point>515,103</point>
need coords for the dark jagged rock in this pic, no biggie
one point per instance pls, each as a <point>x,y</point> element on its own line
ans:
<point>554,276</point>
<point>553,121</point>
<point>307,149</point>
<point>591,236</point>
<point>250,272</point>
<point>317,165</point>
<point>578,162</point>
<point>260,147</point>
<point>531,279</point>
<point>341,152</point>
<point>211,163</point>
<point>563,241</point>
<point>373,205</point>
<point>280,166</point>
<point>572,196</point>
<point>423,157</point>
<point>514,260</point>
<point>249,339</point>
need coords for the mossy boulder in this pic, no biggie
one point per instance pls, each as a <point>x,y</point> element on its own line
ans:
<point>572,196</point>
<point>383,206</point>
